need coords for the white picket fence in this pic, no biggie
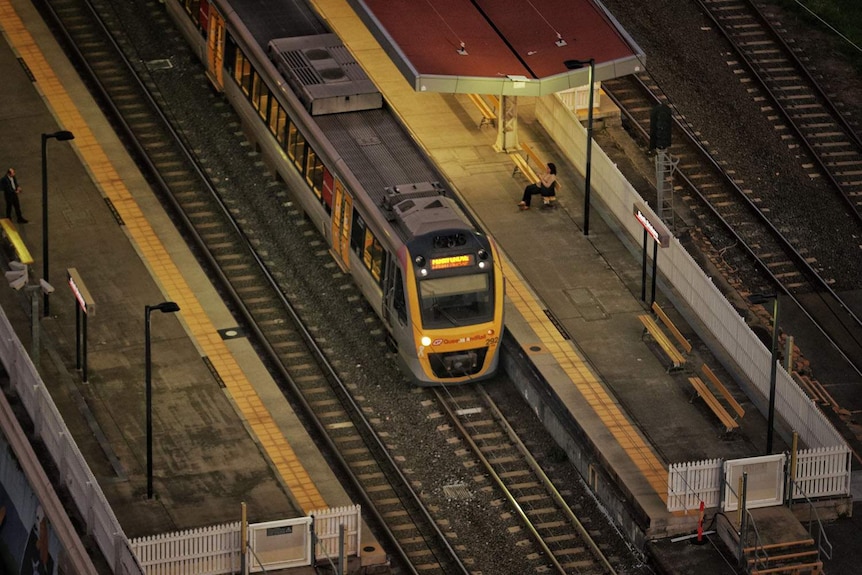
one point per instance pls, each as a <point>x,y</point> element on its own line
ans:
<point>282,544</point>
<point>204,551</point>
<point>820,472</point>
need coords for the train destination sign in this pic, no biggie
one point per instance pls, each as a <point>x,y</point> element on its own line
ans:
<point>654,228</point>
<point>452,262</point>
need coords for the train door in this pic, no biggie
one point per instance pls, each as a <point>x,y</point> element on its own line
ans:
<point>342,208</point>
<point>215,48</point>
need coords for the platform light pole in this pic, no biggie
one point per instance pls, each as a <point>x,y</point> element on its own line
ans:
<point>62,135</point>
<point>761,299</point>
<point>574,65</point>
<point>164,307</point>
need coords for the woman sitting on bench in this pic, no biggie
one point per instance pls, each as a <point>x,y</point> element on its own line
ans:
<point>547,187</point>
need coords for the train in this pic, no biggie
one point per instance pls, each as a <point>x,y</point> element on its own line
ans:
<point>420,259</point>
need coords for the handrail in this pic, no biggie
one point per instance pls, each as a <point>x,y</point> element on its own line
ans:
<point>824,546</point>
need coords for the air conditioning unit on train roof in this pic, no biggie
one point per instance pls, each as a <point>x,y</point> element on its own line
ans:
<point>324,74</point>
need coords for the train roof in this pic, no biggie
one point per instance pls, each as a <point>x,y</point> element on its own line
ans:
<point>268,20</point>
<point>371,142</point>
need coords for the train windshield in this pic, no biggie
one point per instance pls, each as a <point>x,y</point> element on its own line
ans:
<point>456,300</point>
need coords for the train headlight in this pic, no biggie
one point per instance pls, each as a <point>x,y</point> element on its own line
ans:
<point>483,255</point>
<point>426,341</point>
<point>481,265</point>
<point>419,261</point>
<point>423,272</point>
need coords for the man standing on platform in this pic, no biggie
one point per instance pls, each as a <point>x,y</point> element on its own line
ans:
<point>11,189</point>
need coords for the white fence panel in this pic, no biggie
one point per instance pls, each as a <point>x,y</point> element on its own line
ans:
<point>211,550</point>
<point>327,524</point>
<point>822,472</point>
<point>280,544</point>
<point>690,483</point>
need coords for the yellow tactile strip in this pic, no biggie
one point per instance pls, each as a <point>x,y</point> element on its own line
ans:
<point>399,95</point>
<point>587,384</point>
<point>156,257</point>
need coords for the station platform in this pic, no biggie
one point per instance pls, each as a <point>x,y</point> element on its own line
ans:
<point>573,307</point>
<point>220,423</point>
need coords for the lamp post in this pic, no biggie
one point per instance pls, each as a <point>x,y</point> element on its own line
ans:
<point>574,65</point>
<point>164,307</point>
<point>62,135</point>
<point>761,299</point>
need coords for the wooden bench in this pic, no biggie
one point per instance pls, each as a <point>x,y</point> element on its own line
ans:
<point>531,155</point>
<point>703,391</point>
<point>527,169</point>
<point>723,390</point>
<point>684,343</point>
<point>522,165</point>
<point>489,115</point>
<point>10,232</point>
<point>677,359</point>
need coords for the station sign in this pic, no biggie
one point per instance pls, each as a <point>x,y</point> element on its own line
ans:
<point>85,302</point>
<point>653,227</point>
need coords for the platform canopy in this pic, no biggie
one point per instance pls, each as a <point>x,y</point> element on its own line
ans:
<point>501,47</point>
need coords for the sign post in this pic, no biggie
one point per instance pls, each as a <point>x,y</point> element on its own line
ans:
<point>84,303</point>
<point>661,237</point>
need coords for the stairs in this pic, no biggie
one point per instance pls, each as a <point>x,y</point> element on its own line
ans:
<point>799,557</point>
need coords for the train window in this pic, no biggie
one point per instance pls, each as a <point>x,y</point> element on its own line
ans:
<point>192,8</point>
<point>372,255</point>
<point>399,302</point>
<point>455,300</point>
<point>242,71</point>
<point>296,146</point>
<point>277,120</point>
<point>327,188</point>
<point>357,233</point>
<point>260,96</point>
<point>314,172</point>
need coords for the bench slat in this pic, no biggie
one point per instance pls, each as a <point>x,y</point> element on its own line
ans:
<point>721,388</point>
<point>658,335</point>
<point>710,400</point>
<point>489,116</point>
<point>11,234</point>
<point>686,345</point>
<point>522,166</point>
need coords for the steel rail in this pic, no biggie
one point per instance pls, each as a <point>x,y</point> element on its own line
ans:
<point>800,260</point>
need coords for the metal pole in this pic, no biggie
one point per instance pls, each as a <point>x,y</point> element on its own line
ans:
<point>164,307</point>
<point>771,416</point>
<point>149,393</point>
<point>84,335</point>
<point>589,151</point>
<point>45,308</point>
<point>643,267</point>
<point>62,136</point>
<point>654,270</point>
<point>77,335</point>
<point>35,351</point>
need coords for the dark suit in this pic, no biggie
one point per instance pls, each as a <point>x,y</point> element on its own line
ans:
<point>10,194</point>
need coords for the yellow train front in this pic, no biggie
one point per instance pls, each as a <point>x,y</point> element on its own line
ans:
<point>450,327</point>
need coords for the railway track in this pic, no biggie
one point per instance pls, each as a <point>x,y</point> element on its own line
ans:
<point>270,272</point>
<point>799,108</point>
<point>547,521</point>
<point>765,256</point>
